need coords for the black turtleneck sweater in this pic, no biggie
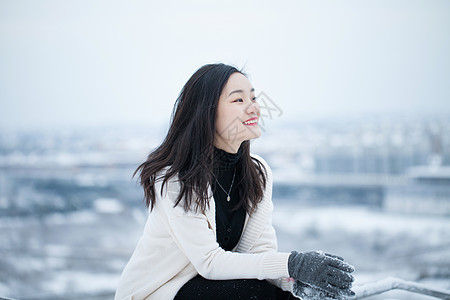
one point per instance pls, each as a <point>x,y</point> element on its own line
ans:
<point>229,220</point>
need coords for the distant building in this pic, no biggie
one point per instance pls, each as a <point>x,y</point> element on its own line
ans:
<point>426,192</point>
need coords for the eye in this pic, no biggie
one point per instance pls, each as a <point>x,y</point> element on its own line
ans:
<point>254,99</point>
<point>238,100</point>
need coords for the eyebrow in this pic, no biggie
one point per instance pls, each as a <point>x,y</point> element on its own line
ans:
<point>240,91</point>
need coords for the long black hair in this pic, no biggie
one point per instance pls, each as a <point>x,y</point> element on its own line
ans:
<point>188,149</point>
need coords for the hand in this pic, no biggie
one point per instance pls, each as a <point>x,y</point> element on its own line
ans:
<point>307,292</point>
<point>323,271</point>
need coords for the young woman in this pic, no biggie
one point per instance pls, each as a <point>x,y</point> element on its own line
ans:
<point>209,234</point>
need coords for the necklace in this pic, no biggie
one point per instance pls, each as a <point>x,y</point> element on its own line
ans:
<point>231,186</point>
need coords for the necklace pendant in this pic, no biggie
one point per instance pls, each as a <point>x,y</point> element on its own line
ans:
<point>228,198</point>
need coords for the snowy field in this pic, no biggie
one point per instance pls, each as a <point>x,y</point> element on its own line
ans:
<point>378,244</point>
<point>80,255</point>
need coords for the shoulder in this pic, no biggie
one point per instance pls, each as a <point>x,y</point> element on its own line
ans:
<point>263,162</point>
<point>259,158</point>
<point>171,185</point>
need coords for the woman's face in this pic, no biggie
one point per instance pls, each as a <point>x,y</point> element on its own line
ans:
<point>237,114</point>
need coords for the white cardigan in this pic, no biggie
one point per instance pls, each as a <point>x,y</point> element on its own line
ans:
<point>177,245</point>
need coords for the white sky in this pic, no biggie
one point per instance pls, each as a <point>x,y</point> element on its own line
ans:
<point>65,63</point>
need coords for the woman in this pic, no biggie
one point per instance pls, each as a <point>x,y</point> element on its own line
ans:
<point>209,233</point>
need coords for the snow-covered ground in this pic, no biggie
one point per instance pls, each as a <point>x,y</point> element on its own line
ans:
<point>378,244</point>
<point>83,253</point>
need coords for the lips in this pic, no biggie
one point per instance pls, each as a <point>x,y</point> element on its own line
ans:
<point>251,121</point>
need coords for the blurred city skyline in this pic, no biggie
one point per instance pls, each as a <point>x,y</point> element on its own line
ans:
<point>83,63</point>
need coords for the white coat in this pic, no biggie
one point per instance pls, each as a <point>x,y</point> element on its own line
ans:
<point>177,245</point>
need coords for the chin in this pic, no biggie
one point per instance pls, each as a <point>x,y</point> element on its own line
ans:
<point>254,133</point>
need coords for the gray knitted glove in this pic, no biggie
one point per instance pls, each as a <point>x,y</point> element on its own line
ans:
<point>321,271</point>
<point>306,292</point>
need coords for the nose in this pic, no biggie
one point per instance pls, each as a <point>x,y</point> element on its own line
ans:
<point>253,108</point>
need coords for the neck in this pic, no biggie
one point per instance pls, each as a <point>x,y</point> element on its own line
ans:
<point>225,160</point>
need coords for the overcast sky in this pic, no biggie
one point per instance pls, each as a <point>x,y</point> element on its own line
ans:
<point>65,63</point>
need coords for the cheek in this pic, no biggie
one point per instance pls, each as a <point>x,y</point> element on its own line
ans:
<point>258,109</point>
<point>219,124</point>
<point>221,120</point>
<point>227,118</point>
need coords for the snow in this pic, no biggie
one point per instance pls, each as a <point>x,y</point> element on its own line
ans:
<point>108,206</point>
<point>390,283</point>
<point>54,219</point>
<point>356,220</point>
<point>377,243</point>
<point>95,246</point>
<point>82,281</point>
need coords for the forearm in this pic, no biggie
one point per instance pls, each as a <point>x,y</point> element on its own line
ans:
<point>231,265</point>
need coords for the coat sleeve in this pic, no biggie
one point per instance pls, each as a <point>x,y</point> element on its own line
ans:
<point>267,242</point>
<point>196,239</point>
